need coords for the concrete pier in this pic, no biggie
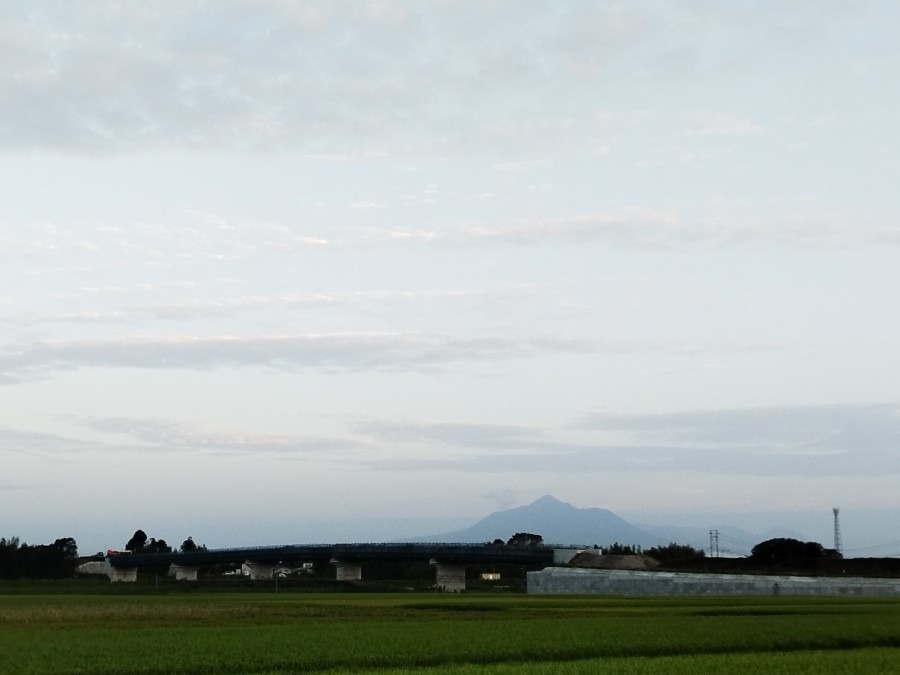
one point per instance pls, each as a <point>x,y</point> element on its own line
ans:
<point>125,574</point>
<point>183,572</point>
<point>450,577</point>
<point>259,571</point>
<point>347,571</point>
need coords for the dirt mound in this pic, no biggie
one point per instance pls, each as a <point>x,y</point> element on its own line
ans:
<point>614,562</point>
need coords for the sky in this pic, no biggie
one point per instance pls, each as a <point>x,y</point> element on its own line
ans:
<point>280,271</point>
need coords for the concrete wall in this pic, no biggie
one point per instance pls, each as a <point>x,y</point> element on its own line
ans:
<point>184,573</point>
<point>93,567</point>
<point>563,580</point>
<point>450,578</point>
<point>347,571</point>
<point>561,556</point>
<point>123,574</point>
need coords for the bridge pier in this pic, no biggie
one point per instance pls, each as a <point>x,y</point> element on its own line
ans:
<point>449,577</point>
<point>347,571</point>
<point>260,571</point>
<point>184,572</point>
<point>126,574</point>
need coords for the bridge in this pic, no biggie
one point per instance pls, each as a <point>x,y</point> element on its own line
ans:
<point>449,560</point>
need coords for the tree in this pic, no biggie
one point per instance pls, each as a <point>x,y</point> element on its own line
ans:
<point>157,546</point>
<point>52,561</point>
<point>621,549</point>
<point>793,552</point>
<point>525,539</point>
<point>674,552</point>
<point>67,546</point>
<point>188,545</point>
<point>9,558</point>
<point>137,542</point>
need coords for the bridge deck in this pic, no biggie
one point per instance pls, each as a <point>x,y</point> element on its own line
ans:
<point>449,553</point>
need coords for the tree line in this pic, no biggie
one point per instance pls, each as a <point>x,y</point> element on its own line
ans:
<point>19,560</point>
<point>141,543</point>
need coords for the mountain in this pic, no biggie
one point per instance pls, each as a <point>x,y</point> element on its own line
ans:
<point>557,522</point>
<point>562,524</point>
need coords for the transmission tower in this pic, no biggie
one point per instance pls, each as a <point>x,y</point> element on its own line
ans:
<point>713,543</point>
<point>838,546</point>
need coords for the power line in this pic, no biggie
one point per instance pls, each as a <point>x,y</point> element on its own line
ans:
<point>869,548</point>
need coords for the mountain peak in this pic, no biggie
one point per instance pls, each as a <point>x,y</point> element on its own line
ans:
<point>548,500</point>
<point>557,522</point>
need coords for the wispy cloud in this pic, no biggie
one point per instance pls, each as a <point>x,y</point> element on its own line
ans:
<point>17,441</point>
<point>814,441</point>
<point>195,240</point>
<point>246,74</point>
<point>810,441</point>
<point>325,299</point>
<point>803,426</point>
<point>634,228</point>
<point>336,78</point>
<point>141,435</point>
<point>724,124</point>
<point>179,436</point>
<point>368,206</point>
<point>368,301</point>
<point>467,435</point>
<point>644,460</point>
<point>330,351</point>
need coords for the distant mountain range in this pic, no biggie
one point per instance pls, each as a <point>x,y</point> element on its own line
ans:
<point>563,524</point>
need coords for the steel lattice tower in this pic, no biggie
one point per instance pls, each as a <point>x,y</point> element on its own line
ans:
<point>838,546</point>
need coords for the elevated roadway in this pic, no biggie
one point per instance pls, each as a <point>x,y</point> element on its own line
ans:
<point>449,559</point>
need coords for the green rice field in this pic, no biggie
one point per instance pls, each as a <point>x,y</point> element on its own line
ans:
<point>470,633</point>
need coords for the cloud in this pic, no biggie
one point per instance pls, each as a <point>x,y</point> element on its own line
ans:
<point>17,441</point>
<point>346,351</point>
<point>193,241</point>
<point>643,461</point>
<point>467,435</point>
<point>327,299</point>
<point>141,435</point>
<point>724,124</point>
<point>640,228</point>
<point>117,77</point>
<point>187,309</point>
<point>330,351</point>
<point>800,426</point>
<point>655,229</point>
<point>367,206</point>
<point>810,441</point>
<point>345,79</point>
<point>832,440</point>
<point>180,436</point>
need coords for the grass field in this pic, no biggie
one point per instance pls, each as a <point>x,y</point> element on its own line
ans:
<point>402,633</point>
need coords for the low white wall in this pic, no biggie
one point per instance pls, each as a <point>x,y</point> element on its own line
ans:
<point>574,581</point>
<point>93,567</point>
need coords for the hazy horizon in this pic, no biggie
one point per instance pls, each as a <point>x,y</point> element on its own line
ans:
<point>863,533</point>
